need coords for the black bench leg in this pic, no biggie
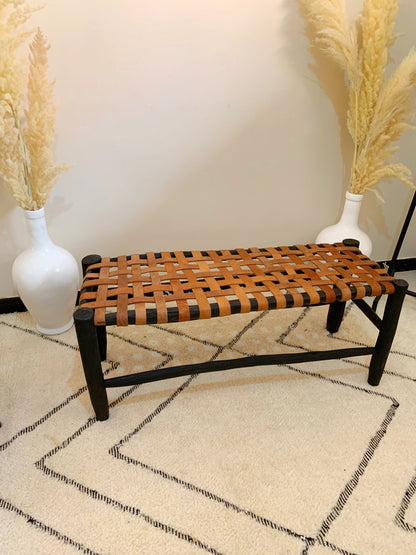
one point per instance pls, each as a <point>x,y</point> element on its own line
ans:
<point>88,261</point>
<point>336,309</point>
<point>335,315</point>
<point>91,360</point>
<point>102,341</point>
<point>387,331</point>
<point>101,330</point>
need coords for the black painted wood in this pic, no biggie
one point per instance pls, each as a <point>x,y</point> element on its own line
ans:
<point>335,315</point>
<point>392,264</point>
<point>369,312</point>
<point>351,243</point>
<point>244,362</point>
<point>88,260</point>
<point>91,360</point>
<point>402,265</point>
<point>101,330</point>
<point>102,341</point>
<point>387,332</point>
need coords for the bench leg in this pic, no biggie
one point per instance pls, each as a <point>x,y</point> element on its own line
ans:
<point>387,331</point>
<point>335,315</point>
<point>89,347</point>
<point>101,330</point>
<point>88,261</point>
<point>102,341</point>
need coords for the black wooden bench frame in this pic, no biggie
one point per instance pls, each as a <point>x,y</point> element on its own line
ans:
<point>92,341</point>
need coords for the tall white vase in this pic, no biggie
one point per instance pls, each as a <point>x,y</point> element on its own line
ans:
<point>46,278</point>
<point>347,227</point>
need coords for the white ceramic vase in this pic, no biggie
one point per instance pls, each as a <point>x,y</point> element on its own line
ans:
<point>46,278</point>
<point>347,227</point>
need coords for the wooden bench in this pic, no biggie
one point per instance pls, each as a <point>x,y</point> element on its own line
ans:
<point>158,288</point>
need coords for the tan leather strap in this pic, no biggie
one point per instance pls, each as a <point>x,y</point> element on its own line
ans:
<point>180,286</point>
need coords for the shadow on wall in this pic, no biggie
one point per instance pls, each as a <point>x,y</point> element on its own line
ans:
<point>331,80</point>
<point>251,191</point>
<point>265,184</point>
<point>13,238</point>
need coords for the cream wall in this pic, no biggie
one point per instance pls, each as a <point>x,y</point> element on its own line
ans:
<point>198,124</point>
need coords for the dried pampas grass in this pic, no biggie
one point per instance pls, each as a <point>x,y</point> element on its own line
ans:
<point>27,164</point>
<point>41,122</point>
<point>380,109</point>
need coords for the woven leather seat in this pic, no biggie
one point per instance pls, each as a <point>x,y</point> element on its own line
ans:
<point>179,286</point>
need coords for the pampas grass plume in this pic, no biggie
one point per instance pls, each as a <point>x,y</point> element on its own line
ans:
<point>26,136</point>
<point>41,123</point>
<point>379,110</point>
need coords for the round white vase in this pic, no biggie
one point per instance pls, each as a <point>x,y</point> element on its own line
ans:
<point>347,227</point>
<point>46,278</point>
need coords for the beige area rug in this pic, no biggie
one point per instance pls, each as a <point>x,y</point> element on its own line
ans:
<point>278,459</point>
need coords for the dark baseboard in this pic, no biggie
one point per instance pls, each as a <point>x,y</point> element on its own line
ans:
<point>15,304</point>
<point>11,304</point>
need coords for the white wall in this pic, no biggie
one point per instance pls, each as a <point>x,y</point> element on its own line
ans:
<point>198,124</point>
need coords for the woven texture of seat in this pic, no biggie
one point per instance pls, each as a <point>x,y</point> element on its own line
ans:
<point>179,286</point>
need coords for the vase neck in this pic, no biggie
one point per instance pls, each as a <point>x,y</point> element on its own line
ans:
<point>351,209</point>
<point>38,232</point>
